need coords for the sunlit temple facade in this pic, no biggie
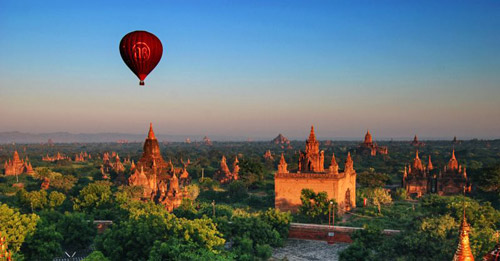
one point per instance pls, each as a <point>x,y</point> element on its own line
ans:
<point>311,174</point>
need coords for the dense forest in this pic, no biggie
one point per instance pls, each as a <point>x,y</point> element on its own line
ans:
<point>237,221</point>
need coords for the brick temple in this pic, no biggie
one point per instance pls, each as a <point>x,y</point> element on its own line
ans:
<point>311,174</point>
<point>420,179</point>
<point>160,180</point>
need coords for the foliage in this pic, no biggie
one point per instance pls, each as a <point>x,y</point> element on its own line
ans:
<point>44,244</point>
<point>96,256</point>
<point>139,233</point>
<point>377,197</point>
<point>251,172</point>
<point>95,196</point>
<point>63,183</point>
<point>16,226</point>
<point>372,179</point>
<point>316,206</point>
<point>489,179</point>
<point>78,231</point>
<point>237,191</point>
<point>400,194</point>
<point>208,184</point>
<point>437,219</point>
<point>280,221</point>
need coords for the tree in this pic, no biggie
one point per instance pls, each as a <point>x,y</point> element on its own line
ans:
<point>44,244</point>
<point>489,179</point>
<point>56,199</point>
<point>63,183</point>
<point>379,197</point>
<point>237,191</point>
<point>16,226</point>
<point>138,234</point>
<point>78,231</point>
<point>93,197</point>
<point>315,206</point>
<point>251,172</point>
<point>372,179</point>
<point>96,256</point>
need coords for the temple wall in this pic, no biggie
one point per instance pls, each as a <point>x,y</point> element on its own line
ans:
<point>289,187</point>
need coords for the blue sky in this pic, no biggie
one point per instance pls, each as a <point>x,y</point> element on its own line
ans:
<point>255,68</point>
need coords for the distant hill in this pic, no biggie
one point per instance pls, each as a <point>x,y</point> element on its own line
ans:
<point>66,137</point>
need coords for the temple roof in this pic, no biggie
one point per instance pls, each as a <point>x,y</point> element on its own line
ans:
<point>151,134</point>
<point>312,136</point>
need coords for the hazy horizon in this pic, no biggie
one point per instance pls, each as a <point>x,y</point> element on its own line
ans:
<point>255,69</point>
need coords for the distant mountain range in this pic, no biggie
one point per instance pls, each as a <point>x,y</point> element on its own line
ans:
<point>66,137</point>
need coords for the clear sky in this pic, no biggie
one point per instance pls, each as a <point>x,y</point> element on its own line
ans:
<point>255,68</point>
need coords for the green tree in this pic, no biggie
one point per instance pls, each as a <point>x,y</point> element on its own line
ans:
<point>44,244</point>
<point>237,191</point>
<point>16,226</point>
<point>489,179</point>
<point>372,179</point>
<point>56,199</point>
<point>138,234</point>
<point>315,206</point>
<point>94,196</point>
<point>78,231</point>
<point>379,197</point>
<point>96,256</point>
<point>63,183</point>
<point>34,200</point>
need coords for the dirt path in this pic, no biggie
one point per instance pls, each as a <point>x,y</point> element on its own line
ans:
<point>302,250</point>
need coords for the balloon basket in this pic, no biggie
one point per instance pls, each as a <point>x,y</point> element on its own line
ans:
<point>141,83</point>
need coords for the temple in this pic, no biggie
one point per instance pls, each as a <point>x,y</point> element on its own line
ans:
<point>420,179</point>
<point>416,142</point>
<point>370,147</point>
<point>207,141</point>
<point>17,166</point>
<point>280,139</point>
<point>160,180</point>
<point>224,175</point>
<point>311,174</point>
<point>268,155</point>
<point>55,158</point>
<point>82,156</point>
<point>453,179</point>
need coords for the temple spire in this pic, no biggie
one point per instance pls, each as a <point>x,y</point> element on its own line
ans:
<point>312,136</point>
<point>429,164</point>
<point>453,154</point>
<point>151,134</point>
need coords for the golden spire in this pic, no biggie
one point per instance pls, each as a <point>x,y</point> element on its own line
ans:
<point>312,136</point>
<point>453,154</point>
<point>464,252</point>
<point>151,134</point>
<point>334,161</point>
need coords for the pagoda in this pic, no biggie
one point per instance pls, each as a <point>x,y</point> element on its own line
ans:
<point>224,175</point>
<point>453,178</point>
<point>17,166</point>
<point>158,178</point>
<point>370,147</point>
<point>420,179</point>
<point>311,174</point>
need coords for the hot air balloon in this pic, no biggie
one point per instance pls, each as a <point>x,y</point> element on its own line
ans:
<point>141,51</point>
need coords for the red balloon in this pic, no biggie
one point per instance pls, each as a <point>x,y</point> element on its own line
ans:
<point>141,51</point>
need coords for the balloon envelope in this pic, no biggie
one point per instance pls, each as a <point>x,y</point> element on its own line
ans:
<point>141,51</point>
